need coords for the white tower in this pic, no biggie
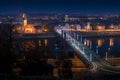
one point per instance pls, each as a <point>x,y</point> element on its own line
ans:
<point>24,20</point>
<point>66,18</point>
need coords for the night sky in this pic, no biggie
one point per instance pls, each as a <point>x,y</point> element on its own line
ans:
<point>62,6</point>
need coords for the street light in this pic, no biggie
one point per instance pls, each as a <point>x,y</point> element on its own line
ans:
<point>83,49</point>
<point>90,57</point>
<point>106,56</point>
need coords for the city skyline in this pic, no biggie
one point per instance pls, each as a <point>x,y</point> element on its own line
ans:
<point>61,6</point>
<point>60,39</point>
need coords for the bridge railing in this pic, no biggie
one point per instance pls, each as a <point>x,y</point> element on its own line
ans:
<point>86,50</point>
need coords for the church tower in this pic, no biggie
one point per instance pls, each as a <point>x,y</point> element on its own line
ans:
<point>24,20</point>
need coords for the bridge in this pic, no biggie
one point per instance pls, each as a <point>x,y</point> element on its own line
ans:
<point>95,62</point>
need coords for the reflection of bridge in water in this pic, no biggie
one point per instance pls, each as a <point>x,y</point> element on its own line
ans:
<point>94,61</point>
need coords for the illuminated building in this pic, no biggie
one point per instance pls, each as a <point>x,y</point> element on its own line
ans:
<point>25,28</point>
<point>28,28</point>
<point>112,27</point>
<point>71,19</point>
<point>100,27</point>
<point>88,27</point>
<point>78,27</point>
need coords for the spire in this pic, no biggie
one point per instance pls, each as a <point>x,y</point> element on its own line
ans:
<point>24,20</point>
<point>24,16</point>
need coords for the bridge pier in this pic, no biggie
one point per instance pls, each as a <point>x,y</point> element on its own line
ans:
<point>106,56</point>
<point>83,49</point>
<point>74,35</point>
<point>78,45</point>
<point>63,34</point>
<point>66,36</point>
<point>77,37</point>
<point>70,33</point>
<point>81,38</point>
<point>97,49</point>
<point>90,57</point>
<point>90,44</point>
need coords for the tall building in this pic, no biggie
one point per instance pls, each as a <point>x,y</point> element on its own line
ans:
<point>27,28</point>
<point>66,18</point>
<point>24,20</point>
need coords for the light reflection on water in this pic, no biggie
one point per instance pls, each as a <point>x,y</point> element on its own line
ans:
<point>110,45</point>
<point>103,45</point>
<point>28,45</point>
<point>51,52</point>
